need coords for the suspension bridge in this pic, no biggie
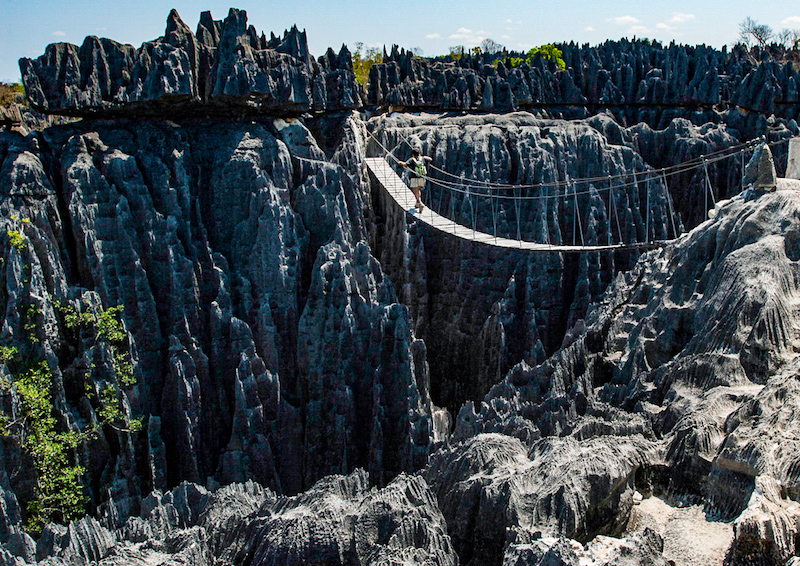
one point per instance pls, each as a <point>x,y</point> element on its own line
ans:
<point>612,198</point>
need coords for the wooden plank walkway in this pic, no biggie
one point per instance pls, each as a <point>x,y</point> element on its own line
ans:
<point>404,198</point>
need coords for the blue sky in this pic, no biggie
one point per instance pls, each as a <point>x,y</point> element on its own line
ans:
<point>27,26</point>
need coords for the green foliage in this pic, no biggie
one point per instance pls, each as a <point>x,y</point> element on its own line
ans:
<point>29,326</point>
<point>549,52</point>
<point>363,59</point>
<point>108,327</point>
<point>16,239</point>
<point>457,52</point>
<point>11,92</point>
<point>58,494</point>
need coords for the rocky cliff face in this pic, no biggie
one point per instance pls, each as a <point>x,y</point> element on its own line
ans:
<point>267,343</point>
<point>640,81</point>
<point>680,367</point>
<point>224,68</point>
<point>520,305</point>
<point>291,333</point>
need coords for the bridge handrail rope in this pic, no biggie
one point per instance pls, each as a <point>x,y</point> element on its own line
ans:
<point>663,172</point>
<point>694,163</point>
<point>476,191</point>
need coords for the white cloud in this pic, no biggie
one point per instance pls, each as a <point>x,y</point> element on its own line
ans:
<point>99,29</point>
<point>664,27</point>
<point>59,33</point>
<point>590,28</point>
<point>637,29</point>
<point>680,18</point>
<point>468,36</point>
<point>506,37</point>
<point>623,20</point>
<point>509,21</point>
<point>433,36</point>
<point>792,21</point>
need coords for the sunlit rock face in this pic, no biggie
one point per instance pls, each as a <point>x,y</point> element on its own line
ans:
<point>639,81</point>
<point>224,68</point>
<point>293,335</point>
<point>688,362</point>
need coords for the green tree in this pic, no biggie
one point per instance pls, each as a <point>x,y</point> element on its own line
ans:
<point>457,52</point>
<point>58,493</point>
<point>11,92</point>
<point>364,59</point>
<point>549,52</point>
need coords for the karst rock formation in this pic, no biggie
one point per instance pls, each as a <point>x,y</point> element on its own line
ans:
<point>321,379</point>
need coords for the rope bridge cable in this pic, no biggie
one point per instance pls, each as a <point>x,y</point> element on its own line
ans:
<point>475,190</point>
<point>693,163</point>
<point>665,171</point>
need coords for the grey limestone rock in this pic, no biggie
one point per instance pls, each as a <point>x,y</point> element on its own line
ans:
<point>209,238</point>
<point>340,520</point>
<point>694,347</point>
<point>639,81</point>
<point>225,68</point>
<point>490,484</point>
<point>760,171</point>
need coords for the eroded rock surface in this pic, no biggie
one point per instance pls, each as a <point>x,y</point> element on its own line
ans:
<point>640,81</point>
<point>690,359</point>
<point>267,343</point>
<point>224,68</point>
<point>340,520</point>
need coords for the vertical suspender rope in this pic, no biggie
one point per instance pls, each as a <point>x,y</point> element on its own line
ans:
<point>468,200</point>
<point>574,216</point>
<point>635,235</point>
<point>610,200</point>
<point>516,210</point>
<point>708,186</point>
<point>616,214</point>
<point>547,214</point>
<point>494,214</point>
<point>577,211</point>
<point>741,155</point>
<point>453,209</point>
<point>647,222</point>
<point>669,205</point>
<point>705,194</point>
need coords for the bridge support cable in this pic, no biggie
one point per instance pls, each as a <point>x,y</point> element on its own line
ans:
<point>615,212</point>
<point>708,187</point>
<point>577,212</point>
<point>741,155</point>
<point>648,183</point>
<point>670,209</point>
<point>574,220</point>
<point>547,215</point>
<point>494,214</point>
<point>516,213</point>
<point>441,194</point>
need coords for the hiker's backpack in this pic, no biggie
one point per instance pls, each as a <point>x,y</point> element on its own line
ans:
<point>420,169</point>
